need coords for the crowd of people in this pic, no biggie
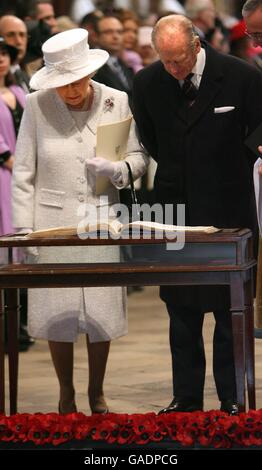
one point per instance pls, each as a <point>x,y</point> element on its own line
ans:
<point>193,105</point>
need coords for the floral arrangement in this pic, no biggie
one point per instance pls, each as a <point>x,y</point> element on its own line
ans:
<point>212,428</point>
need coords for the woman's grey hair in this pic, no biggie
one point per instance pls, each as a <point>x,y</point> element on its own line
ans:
<point>173,24</point>
<point>250,6</point>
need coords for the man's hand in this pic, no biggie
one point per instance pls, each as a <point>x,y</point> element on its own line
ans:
<point>99,166</point>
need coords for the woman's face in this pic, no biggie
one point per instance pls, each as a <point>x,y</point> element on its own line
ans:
<point>75,94</point>
<point>130,32</point>
<point>4,62</point>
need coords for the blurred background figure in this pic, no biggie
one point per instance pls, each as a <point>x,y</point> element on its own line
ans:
<point>81,8</point>
<point>172,6</point>
<point>145,48</point>
<point>129,54</point>
<point>89,22</point>
<point>202,13</point>
<point>14,32</point>
<point>241,45</point>
<point>64,23</point>
<point>39,32</point>
<point>12,102</point>
<point>115,73</point>
<point>218,37</point>
<point>43,10</point>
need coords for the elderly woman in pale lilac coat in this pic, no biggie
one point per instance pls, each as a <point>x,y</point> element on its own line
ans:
<point>55,174</point>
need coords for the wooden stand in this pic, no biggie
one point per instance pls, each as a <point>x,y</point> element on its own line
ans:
<point>222,258</point>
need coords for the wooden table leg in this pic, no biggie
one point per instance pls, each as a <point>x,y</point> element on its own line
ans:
<point>250,344</point>
<point>12,309</point>
<point>2,355</point>
<point>238,324</point>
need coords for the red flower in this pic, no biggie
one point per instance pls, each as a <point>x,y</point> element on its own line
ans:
<point>212,428</point>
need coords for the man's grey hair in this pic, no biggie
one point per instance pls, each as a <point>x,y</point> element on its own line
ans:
<point>173,24</point>
<point>250,7</point>
<point>193,7</point>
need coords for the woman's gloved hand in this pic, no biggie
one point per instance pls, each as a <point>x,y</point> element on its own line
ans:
<point>99,166</point>
<point>29,250</point>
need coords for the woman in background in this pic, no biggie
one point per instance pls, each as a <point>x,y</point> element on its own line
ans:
<point>12,102</point>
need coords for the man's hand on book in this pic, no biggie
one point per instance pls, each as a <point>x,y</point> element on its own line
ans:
<point>99,166</point>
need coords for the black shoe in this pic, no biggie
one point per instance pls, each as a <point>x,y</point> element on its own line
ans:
<point>24,339</point>
<point>183,405</point>
<point>230,407</point>
<point>258,333</point>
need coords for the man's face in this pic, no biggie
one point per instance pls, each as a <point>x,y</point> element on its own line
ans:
<point>14,32</point>
<point>254,27</point>
<point>45,12</point>
<point>179,58</point>
<point>110,36</point>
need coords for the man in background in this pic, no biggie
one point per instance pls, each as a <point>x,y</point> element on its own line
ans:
<point>14,32</point>
<point>115,72</point>
<point>202,13</point>
<point>43,10</point>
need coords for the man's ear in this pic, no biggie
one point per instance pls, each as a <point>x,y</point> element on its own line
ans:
<point>197,45</point>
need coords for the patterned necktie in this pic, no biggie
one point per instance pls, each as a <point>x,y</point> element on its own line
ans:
<point>189,89</point>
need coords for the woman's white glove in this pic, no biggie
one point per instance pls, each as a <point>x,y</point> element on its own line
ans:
<point>30,251</point>
<point>23,230</point>
<point>99,166</point>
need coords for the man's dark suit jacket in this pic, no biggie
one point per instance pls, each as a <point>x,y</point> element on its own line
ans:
<point>202,159</point>
<point>107,76</point>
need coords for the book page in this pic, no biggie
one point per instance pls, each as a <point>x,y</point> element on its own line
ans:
<point>114,227</point>
<point>104,225</point>
<point>111,143</point>
<point>147,225</point>
<point>53,232</point>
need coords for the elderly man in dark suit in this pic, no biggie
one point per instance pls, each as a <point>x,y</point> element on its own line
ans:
<point>194,109</point>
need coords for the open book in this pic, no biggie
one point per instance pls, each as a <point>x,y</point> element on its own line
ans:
<point>111,143</point>
<point>115,229</point>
